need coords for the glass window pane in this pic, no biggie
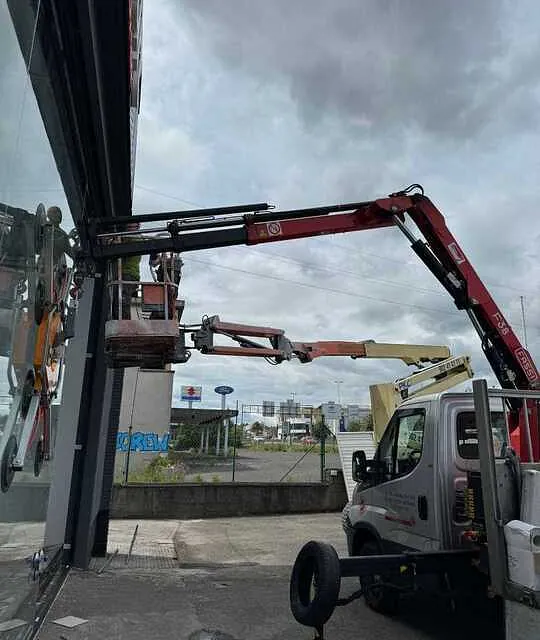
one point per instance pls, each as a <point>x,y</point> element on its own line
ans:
<point>35,261</point>
<point>410,442</point>
<point>467,434</point>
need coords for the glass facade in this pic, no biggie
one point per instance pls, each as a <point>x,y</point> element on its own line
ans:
<point>36,317</point>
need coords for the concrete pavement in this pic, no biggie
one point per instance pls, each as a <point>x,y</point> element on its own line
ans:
<point>230,582</point>
<point>18,541</point>
<point>261,541</point>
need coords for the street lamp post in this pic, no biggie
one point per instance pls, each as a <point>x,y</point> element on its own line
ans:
<point>338,383</point>
<point>223,391</point>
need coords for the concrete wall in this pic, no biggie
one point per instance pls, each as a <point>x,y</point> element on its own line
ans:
<point>190,501</point>
<point>25,502</point>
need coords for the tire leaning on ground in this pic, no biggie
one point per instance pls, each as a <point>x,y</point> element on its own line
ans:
<point>315,584</point>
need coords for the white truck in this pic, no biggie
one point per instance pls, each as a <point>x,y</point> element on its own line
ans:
<point>445,506</point>
<point>414,494</point>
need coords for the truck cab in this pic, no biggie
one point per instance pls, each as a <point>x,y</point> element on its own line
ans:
<point>412,495</point>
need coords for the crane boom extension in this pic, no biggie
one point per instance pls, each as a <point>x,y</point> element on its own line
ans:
<point>438,250</point>
<point>387,396</point>
<point>281,348</point>
<point>443,256</point>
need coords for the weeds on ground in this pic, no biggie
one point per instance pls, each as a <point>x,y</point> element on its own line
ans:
<point>293,448</point>
<point>158,471</point>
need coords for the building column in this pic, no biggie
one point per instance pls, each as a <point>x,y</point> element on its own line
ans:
<point>67,446</point>
<point>92,434</point>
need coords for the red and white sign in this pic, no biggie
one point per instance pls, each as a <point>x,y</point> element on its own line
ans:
<point>527,364</point>
<point>273,228</point>
<point>191,393</point>
<point>456,253</point>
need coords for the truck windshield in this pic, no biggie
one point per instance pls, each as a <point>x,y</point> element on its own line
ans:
<point>467,434</point>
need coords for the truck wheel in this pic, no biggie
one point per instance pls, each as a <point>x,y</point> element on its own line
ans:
<point>6,468</point>
<point>378,597</point>
<point>38,458</point>
<point>40,302</point>
<point>27,394</point>
<point>315,584</point>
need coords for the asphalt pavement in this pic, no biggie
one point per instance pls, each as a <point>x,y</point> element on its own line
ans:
<point>226,579</point>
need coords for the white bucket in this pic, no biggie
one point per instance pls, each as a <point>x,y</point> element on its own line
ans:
<point>523,549</point>
<point>530,497</point>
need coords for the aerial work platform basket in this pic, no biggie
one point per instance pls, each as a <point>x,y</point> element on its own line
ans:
<point>149,344</point>
<point>142,329</point>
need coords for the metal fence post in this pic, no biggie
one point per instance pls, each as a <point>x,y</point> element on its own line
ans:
<point>323,447</point>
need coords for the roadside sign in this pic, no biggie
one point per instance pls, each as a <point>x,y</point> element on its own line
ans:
<point>191,393</point>
<point>223,390</point>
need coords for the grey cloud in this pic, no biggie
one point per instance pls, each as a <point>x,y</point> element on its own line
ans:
<point>431,64</point>
<point>243,133</point>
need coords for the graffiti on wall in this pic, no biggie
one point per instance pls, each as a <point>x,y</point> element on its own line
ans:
<point>144,442</point>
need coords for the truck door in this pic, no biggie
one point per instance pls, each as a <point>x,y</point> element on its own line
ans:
<point>402,500</point>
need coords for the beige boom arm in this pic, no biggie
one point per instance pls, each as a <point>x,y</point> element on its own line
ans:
<point>385,397</point>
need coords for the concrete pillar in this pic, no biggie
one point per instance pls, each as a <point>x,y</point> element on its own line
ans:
<point>206,438</point>
<point>218,438</point>
<point>201,447</point>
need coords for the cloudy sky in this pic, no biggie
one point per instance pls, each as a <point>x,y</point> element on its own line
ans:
<point>305,103</point>
<point>309,102</point>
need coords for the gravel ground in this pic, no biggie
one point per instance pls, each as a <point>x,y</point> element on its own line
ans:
<point>251,466</point>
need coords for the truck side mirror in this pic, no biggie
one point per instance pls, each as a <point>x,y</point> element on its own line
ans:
<point>359,465</point>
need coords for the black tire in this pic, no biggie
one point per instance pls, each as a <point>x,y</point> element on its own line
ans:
<point>6,466</point>
<point>39,302</point>
<point>27,395</point>
<point>40,222</point>
<point>379,598</point>
<point>38,458</point>
<point>315,584</point>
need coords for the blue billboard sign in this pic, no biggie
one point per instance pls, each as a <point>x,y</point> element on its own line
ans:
<point>223,390</point>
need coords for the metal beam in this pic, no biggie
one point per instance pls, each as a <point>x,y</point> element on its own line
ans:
<point>181,243</point>
<point>103,516</point>
<point>421,562</point>
<point>181,215</point>
<point>492,509</point>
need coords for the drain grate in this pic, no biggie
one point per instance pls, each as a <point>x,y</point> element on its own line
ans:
<point>205,634</point>
<point>136,561</point>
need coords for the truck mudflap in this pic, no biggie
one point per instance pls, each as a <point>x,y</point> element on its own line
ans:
<point>316,576</point>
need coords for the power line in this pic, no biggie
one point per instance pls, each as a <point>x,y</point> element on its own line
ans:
<point>416,266</point>
<point>329,289</point>
<point>167,195</point>
<point>347,248</point>
<point>353,274</point>
<point>320,288</point>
